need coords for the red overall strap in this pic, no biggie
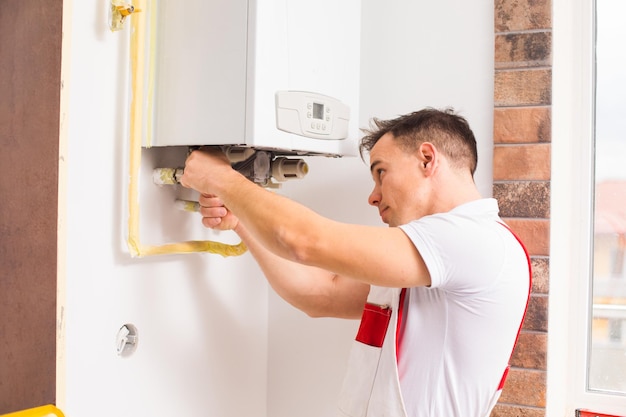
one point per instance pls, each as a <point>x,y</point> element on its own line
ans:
<point>400,314</point>
<point>530,284</point>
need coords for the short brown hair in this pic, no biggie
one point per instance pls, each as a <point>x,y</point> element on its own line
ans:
<point>449,132</point>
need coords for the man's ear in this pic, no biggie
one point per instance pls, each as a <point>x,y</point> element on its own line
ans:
<point>427,153</point>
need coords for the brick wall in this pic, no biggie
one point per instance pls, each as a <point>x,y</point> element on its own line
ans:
<point>521,171</point>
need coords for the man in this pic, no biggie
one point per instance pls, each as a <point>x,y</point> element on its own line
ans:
<point>444,287</point>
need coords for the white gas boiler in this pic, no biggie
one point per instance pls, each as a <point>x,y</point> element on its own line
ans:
<point>278,75</point>
<point>268,81</point>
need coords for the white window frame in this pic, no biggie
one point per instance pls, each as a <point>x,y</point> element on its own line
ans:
<point>571,234</point>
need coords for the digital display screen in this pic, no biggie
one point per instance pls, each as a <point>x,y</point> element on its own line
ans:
<point>318,111</point>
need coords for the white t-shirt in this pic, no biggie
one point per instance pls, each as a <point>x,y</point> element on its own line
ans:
<point>457,335</point>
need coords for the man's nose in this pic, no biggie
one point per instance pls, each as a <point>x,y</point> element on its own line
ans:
<point>374,198</point>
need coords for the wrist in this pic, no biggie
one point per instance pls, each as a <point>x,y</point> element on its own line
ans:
<point>226,181</point>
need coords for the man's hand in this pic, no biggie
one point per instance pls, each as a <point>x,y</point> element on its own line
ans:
<point>215,215</point>
<point>203,168</point>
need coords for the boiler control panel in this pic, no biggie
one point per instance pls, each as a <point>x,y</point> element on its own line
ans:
<point>312,115</point>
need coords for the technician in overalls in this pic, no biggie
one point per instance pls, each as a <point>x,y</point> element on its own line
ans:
<point>441,292</point>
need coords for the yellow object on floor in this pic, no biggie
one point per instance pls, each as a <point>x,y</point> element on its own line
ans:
<point>43,411</point>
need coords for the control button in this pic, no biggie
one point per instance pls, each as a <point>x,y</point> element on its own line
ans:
<point>324,126</point>
<point>328,118</point>
<point>309,106</point>
<point>308,115</point>
<point>312,125</point>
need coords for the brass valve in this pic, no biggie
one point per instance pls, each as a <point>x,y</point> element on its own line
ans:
<point>119,11</point>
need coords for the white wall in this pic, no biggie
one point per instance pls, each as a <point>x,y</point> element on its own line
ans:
<point>438,54</point>
<point>202,319</point>
<point>211,340</point>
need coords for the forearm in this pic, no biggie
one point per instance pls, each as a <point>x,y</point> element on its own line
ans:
<point>316,292</point>
<point>281,225</point>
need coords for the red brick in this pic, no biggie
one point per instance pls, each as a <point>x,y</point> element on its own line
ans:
<point>523,50</point>
<point>517,15</point>
<point>530,351</point>
<point>525,387</point>
<point>521,162</point>
<point>504,410</point>
<point>541,275</point>
<point>536,319</point>
<point>522,125</point>
<point>535,233</point>
<point>523,88</point>
<point>523,198</point>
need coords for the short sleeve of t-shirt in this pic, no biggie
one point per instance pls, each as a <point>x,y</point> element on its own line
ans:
<point>461,253</point>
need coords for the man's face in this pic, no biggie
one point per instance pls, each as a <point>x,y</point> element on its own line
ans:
<point>398,183</point>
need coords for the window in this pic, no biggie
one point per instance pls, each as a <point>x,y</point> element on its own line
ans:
<point>607,352</point>
<point>586,257</point>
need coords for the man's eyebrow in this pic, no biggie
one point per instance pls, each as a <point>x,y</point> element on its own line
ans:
<point>374,165</point>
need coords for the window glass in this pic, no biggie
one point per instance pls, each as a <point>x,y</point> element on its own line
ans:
<point>607,354</point>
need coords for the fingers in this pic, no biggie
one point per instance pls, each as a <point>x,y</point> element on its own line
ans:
<point>202,165</point>
<point>214,214</point>
<point>209,199</point>
<point>212,209</point>
<point>211,222</point>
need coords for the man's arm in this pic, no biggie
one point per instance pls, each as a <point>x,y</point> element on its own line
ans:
<point>316,292</point>
<point>372,255</point>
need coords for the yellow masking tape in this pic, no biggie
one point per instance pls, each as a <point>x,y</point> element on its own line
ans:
<point>138,85</point>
